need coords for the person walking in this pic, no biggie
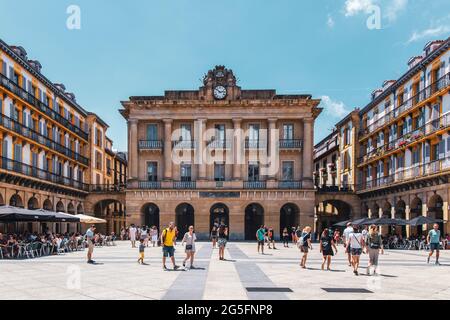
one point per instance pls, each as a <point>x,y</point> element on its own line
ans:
<point>304,244</point>
<point>434,240</point>
<point>326,248</point>
<point>122,234</point>
<point>144,235</point>
<point>345,237</point>
<point>374,245</point>
<point>260,238</point>
<point>222,242</point>
<point>285,238</point>
<point>356,243</point>
<point>141,251</point>
<point>271,238</point>
<point>214,236</point>
<point>90,234</point>
<point>168,240</point>
<point>133,231</point>
<point>189,238</point>
<point>154,236</point>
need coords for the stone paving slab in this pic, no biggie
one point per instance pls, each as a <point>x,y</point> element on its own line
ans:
<point>404,275</point>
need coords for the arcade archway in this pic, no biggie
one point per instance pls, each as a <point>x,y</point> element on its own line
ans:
<point>184,217</point>
<point>254,218</point>
<point>150,212</point>
<point>416,211</point>
<point>16,201</point>
<point>48,205</point>
<point>435,209</point>
<point>289,217</point>
<point>33,203</point>
<point>331,212</point>
<point>219,214</point>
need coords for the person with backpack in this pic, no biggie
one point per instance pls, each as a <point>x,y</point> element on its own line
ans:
<point>374,246</point>
<point>434,240</point>
<point>168,239</point>
<point>304,244</point>
<point>326,248</point>
<point>356,244</point>
<point>189,238</point>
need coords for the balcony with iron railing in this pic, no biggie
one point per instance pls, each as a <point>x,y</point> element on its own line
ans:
<point>107,188</point>
<point>411,173</point>
<point>255,144</point>
<point>40,174</point>
<point>414,136</point>
<point>22,130</point>
<point>291,144</point>
<point>184,144</point>
<point>151,145</point>
<point>398,111</point>
<point>32,100</point>
<point>219,144</point>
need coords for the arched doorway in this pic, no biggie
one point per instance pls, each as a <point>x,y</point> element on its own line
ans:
<point>2,201</point>
<point>400,213</point>
<point>219,214</point>
<point>16,201</point>
<point>48,205</point>
<point>184,217</point>
<point>289,217</point>
<point>33,203</point>
<point>375,211</point>
<point>60,207</point>
<point>387,210</point>
<point>435,210</point>
<point>331,212</point>
<point>254,218</point>
<point>151,215</point>
<point>416,211</point>
<point>364,211</point>
<point>113,212</point>
<point>80,209</point>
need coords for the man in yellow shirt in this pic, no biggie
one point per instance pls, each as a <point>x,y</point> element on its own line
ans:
<point>168,238</point>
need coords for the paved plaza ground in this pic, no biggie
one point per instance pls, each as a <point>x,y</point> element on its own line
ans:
<point>404,275</point>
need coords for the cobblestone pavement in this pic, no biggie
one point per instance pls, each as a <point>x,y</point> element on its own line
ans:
<point>404,275</point>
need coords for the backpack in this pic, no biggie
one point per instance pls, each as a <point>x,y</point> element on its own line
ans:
<point>376,244</point>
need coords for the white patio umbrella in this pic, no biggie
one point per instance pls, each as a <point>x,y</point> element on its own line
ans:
<point>90,219</point>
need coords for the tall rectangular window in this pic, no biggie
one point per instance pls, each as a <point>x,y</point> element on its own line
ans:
<point>288,131</point>
<point>18,152</point>
<point>186,172</point>
<point>152,132</point>
<point>219,171</point>
<point>220,132</point>
<point>288,171</point>
<point>186,132</point>
<point>98,160</point>
<point>152,171</point>
<point>253,134</point>
<point>253,171</point>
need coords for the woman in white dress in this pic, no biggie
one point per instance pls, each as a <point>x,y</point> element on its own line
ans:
<point>189,238</point>
<point>154,236</point>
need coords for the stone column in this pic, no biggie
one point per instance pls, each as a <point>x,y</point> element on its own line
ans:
<point>237,149</point>
<point>424,213</point>
<point>134,154</point>
<point>201,143</point>
<point>446,216</point>
<point>168,149</point>
<point>273,148</point>
<point>308,143</point>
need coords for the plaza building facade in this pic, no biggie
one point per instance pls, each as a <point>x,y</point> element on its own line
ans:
<point>400,155</point>
<point>45,147</point>
<point>221,154</point>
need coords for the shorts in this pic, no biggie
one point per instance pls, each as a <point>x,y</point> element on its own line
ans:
<point>373,256</point>
<point>355,251</point>
<point>168,251</point>
<point>260,242</point>
<point>435,246</point>
<point>141,255</point>
<point>222,242</point>
<point>90,247</point>
<point>326,253</point>
<point>154,238</point>
<point>304,249</point>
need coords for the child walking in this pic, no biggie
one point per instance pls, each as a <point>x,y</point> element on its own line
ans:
<point>141,251</point>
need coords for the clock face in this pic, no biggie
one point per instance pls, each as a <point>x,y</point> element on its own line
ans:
<point>220,92</point>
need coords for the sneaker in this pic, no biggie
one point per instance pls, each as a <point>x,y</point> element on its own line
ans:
<point>192,267</point>
<point>437,263</point>
<point>184,264</point>
<point>165,268</point>
<point>176,267</point>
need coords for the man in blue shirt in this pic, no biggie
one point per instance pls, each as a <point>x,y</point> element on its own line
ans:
<point>90,234</point>
<point>434,240</point>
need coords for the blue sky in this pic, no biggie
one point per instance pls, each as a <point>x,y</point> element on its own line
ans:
<point>143,47</point>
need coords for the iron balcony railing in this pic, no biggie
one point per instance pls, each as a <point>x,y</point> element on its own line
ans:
<point>184,144</point>
<point>290,185</point>
<point>107,188</point>
<point>28,97</point>
<point>342,187</point>
<point>255,144</point>
<point>150,145</point>
<point>27,170</point>
<point>415,171</point>
<point>255,185</point>
<point>219,144</point>
<point>19,128</point>
<point>403,141</point>
<point>422,95</point>
<point>291,144</point>
<point>184,185</point>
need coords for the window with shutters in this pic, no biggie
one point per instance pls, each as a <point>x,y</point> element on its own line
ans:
<point>288,171</point>
<point>98,160</point>
<point>152,132</point>
<point>219,171</point>
<point>186,172</point>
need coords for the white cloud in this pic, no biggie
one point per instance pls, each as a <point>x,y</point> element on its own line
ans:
<point>429,33</point>
<point>333,108</point>
<point>330,21</point>
<point>389,8</point>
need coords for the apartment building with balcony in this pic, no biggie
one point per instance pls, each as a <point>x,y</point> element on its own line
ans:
<point>404,140</point>
<point>201,156</point>
<point>44,138</point>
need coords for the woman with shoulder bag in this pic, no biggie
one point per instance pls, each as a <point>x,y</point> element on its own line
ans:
<point>374,245</point>
<point>189,238</point>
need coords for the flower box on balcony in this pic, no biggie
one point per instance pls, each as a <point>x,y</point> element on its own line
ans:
<point>402,143</point>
